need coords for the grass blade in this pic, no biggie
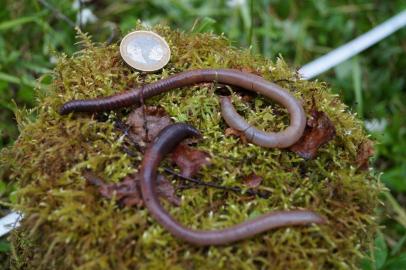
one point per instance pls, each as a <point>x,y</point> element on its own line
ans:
<point>357,84</point>
<point>20,21</point>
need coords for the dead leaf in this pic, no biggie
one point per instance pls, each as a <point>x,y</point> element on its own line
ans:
<point>145,123</point>
<point>166,190</point>
<point>365,151</point>
<point>253,180</point>
<point>251,70</point>
<point>189,160</point>
<point>319,130</point>
<point>128,192</point>
<point>236,133</point>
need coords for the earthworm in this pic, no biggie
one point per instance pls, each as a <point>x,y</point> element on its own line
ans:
<point>163,144</point>
<point>237,78</point>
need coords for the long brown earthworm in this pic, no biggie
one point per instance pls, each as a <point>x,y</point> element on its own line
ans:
<point>237,78</point>
<point>163,144</point>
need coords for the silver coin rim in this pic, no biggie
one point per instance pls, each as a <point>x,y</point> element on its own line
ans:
<point>162,63</point>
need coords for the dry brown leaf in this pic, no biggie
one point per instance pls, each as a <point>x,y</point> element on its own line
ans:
<point>251,70</point>
<point>236,133</point>
<point>365,151</point>
<point>253,180</point>
<point>319,130</point>
<point>128,192</point>
<point>166,190</point>
<point>155,119</point>
<point>189,160</point>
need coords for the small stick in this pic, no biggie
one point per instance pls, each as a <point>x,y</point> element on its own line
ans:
<point>251,192</point>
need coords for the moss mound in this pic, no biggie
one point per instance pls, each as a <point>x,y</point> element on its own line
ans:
<point>69,225</point>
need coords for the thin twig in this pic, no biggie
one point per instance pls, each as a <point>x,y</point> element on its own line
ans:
<point>251,192</point>
<point>197,181</point>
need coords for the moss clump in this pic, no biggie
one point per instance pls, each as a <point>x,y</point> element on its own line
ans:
<point>68,225</point>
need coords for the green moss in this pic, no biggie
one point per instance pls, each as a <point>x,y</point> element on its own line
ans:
<point>68,225</point>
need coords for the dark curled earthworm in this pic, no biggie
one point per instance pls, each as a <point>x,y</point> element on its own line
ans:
<point>163,144</point>
<point>237,78</point>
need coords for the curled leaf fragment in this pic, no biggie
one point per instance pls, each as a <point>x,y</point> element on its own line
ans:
<point>319,130</point>
<point>146,122</point>
<point>236,133</point>
<point>128,191</point>
<point>189,160</point>
<point>253,180</point>
<point>365,151</point>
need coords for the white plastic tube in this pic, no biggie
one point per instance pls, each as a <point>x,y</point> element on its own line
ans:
<point>353,47</point>
<point>9,222</point>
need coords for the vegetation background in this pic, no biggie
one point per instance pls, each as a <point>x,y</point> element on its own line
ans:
<point>34,32</point>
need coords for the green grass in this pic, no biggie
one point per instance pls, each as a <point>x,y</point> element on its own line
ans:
<point>373,83</point>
